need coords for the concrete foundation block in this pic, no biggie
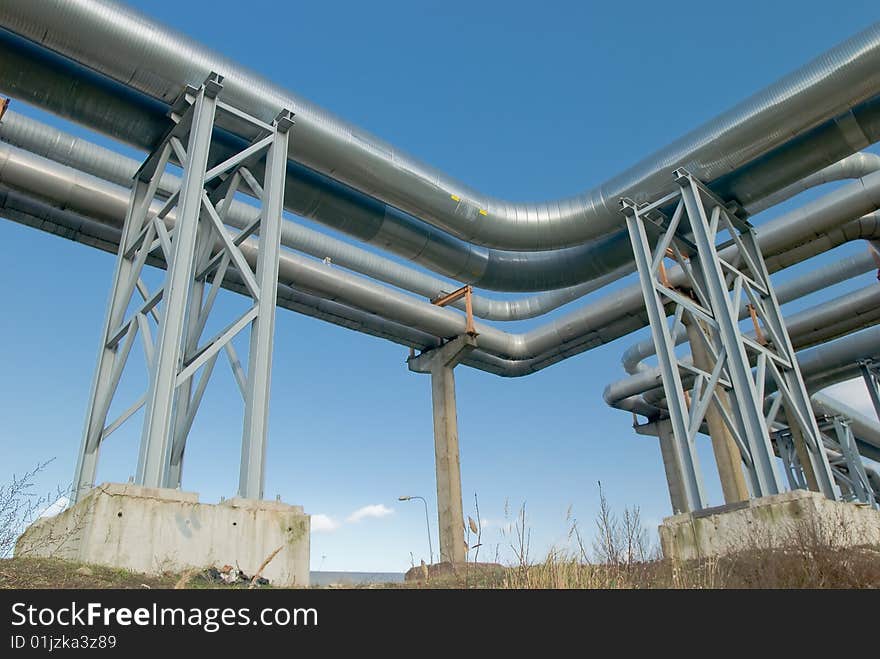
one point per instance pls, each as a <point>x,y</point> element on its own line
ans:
<point>776,521</point>
<point>154,530</point>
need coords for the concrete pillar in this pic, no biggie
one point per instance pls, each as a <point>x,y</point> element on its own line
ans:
<point>727,455</point>
<point>440,363</point>
<point>800,447</point>
<point>670,465</point>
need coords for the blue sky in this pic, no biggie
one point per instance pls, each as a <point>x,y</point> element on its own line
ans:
<point>519,100</point>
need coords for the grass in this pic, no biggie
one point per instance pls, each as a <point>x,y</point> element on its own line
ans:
<point>618,557</point>
<point>42,573</point>
<point>857,568</point>
<point>53,573</point>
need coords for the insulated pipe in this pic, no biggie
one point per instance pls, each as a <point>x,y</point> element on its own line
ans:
<point>820,367</point>
<point>866,429</point>
<point>836,361</point>
<point>833,273</point>
<point>735,150</point>
<point>830,319</point>
<point>511,354</point>
<point>36,75</point>
<point>64,223</point>
<point>49,142</point>
<point>854,166</point>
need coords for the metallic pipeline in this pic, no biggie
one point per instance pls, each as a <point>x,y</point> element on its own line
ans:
<point>67,224</point>
<point>60,85</point>
<point>866,429</point>
<point>821,366</point>
<point>854,166</point>
<point>829,275</point>
<point>78,153</point>
<point>829,320</point>
<point>821,103</point>
<point>594,324</point>
<point>863,228</point>
<point>836,361</point>
<point>822,324</point>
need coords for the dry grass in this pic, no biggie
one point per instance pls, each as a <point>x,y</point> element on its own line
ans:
<point>805,555</point>
<point>52,573</point>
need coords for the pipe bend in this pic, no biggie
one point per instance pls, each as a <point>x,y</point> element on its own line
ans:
<point>157,61</point>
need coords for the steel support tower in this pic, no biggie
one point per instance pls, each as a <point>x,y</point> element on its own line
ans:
<point>186,232</point>
<point>849,468</point>
<point>720,268</point>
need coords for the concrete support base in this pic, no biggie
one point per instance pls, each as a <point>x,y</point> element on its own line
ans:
<point>789,519</point>
<point>155,530</point>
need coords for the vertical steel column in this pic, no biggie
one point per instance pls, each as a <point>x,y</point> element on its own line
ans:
<point>728,459</point>
<point>790,461</point>
<point>256,413</point>
<point>685,451</point>
<point>185,389</point>
<point>750,417</point>
<point>103,386</point>
<point>792,387</point>
<point>858,479</point>
<point>666,439</point>
<point>159,412</point>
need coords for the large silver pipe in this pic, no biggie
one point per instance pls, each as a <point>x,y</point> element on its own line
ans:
<point>592,325</point>
<point>866,429</point>
<point>49,142</point>
<point>817,280</point>
<point>36,75</point>
<point>823,322</point>
<point>821,366</point>
<point>854,166</point>
<point>67,224</point>
<point>807,120</point>
<point>47,218</point>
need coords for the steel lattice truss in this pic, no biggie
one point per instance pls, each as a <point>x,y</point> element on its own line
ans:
<point>721,269</point>
<point>847,463</point>
<point>841,447</point>
<point>186,231</point>
<point>871,375</point>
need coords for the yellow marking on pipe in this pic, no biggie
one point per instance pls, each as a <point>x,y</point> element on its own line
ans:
<point>455,197</point>
<point>482,212</point>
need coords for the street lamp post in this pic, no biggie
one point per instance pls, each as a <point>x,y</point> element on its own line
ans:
<point>427,522</point>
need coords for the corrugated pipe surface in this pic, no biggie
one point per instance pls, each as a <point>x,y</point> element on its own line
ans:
<point>70,90</point>
<point>80,154</point>
<point>829,275</point>
<point>812,117</point>
<point>500,352</point>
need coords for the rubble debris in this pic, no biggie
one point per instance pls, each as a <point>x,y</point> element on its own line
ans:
<point>230,576</point>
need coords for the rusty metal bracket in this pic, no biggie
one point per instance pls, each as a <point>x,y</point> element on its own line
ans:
<point>759,333</point>
<point>465,292</point>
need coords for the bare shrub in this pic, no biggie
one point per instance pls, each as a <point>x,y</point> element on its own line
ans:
<point>19,506</point>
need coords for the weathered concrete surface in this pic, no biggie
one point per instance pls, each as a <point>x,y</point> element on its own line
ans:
<point>774,521</point>
<point>155,530</point>
<point>477,572</point>
<point>441,363</point>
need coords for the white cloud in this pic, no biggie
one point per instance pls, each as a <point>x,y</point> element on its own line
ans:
<point>323,524</point>
<point>853,393</point>
<point>373,510</point>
